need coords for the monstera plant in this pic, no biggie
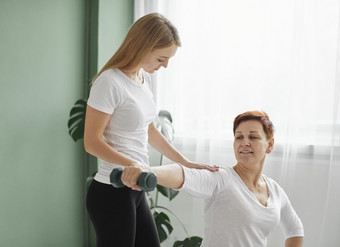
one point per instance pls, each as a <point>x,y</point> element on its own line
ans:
<point>163,122</point>
<point>76,121</point>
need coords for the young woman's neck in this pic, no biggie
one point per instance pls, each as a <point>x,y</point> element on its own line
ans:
<point>132,74</point>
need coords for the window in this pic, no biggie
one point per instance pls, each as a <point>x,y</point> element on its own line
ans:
<point>279,57</point>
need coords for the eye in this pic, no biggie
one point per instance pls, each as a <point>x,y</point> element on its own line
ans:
<point>253,137</point>
<point>161,60</point>
<point>238,137</point>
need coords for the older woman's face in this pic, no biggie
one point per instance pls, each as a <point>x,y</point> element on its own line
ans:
<point>251,144</point>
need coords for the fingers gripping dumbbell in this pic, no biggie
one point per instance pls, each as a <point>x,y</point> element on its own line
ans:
<point>147,181</point>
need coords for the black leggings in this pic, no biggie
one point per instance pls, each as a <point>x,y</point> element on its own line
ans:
<point>121,217</point>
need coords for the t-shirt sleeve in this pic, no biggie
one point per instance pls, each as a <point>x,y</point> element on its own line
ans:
<point>290,223</point>
<point>202,183</point>
<point>104,95</point>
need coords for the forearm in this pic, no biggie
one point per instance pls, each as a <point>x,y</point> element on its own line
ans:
<point>294,242</point>
<point>158,141</point>
<point>170,176</point>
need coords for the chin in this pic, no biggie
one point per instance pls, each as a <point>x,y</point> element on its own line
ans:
<point>150,71</point>
<point>245,161</point>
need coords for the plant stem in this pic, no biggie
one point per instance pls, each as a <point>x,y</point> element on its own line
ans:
<point>160,163</point>
<point>156,200</point>
<point>161,160</point>
<point>185,230</point>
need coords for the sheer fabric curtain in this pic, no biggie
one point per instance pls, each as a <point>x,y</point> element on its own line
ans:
<point>282,57</point>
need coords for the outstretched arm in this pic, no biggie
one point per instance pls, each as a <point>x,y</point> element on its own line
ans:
<point>170,176</point>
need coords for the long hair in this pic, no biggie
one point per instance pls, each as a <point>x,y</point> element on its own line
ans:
<point>152,31</point>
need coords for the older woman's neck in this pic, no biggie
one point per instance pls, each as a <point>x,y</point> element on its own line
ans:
<point>249,176</point>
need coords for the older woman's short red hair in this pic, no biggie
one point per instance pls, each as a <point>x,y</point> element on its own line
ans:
<point>262,117</point>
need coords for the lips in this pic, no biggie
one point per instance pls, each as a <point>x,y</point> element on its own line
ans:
<point>246,152</point>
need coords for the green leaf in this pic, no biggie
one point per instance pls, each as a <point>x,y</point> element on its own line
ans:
<point>163,225</point>
<point>163,123</point>
<point>166,114</point>
<point>76,121</point>
<point>189,242</point>
<point>89,179</point>
<point>167,192</point>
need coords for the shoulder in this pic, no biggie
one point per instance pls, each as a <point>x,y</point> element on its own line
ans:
<point>204,183</point>
<point>226,172</point>
<point>271,182</point>
<point>228,177</point>
<point>109,77</point>
<point>275,188</point>
<point>223,177</point>
<point>110,81</point>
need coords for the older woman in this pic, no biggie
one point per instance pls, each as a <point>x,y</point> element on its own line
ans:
<point>243,206</point>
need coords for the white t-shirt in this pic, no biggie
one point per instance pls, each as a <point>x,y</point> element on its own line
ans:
<point>233,217</point>
<point>132,108</point>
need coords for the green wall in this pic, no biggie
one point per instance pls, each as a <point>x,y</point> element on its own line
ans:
<point>115,18</point>
<point>42,69</point>
<point>42,66</point>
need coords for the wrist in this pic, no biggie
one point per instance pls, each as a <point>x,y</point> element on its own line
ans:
<point>185,162</point>
<point>142,168</point>
<point>135,164</point>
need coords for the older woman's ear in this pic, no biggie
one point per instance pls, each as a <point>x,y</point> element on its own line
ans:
<point>270,146</point>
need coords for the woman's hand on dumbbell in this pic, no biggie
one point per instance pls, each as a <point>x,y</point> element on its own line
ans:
<point>131,174</point>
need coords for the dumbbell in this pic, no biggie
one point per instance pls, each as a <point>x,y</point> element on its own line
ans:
<point>147,181</point>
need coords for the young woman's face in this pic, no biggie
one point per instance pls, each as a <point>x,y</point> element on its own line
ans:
<point>158,58</point>
<point>250,143</point>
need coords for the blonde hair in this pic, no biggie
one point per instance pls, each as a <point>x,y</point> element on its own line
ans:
<point>152,31</point>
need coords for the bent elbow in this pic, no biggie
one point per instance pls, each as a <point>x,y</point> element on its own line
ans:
<point>88,145</point>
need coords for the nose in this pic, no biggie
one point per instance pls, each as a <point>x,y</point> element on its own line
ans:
<point>245,142</point>
<point>165,64</point>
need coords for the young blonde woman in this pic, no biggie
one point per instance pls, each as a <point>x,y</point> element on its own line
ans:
<point>243,206</point>
<point>119,126</point>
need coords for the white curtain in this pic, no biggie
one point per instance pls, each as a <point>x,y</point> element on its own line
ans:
<point>282,57</point>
